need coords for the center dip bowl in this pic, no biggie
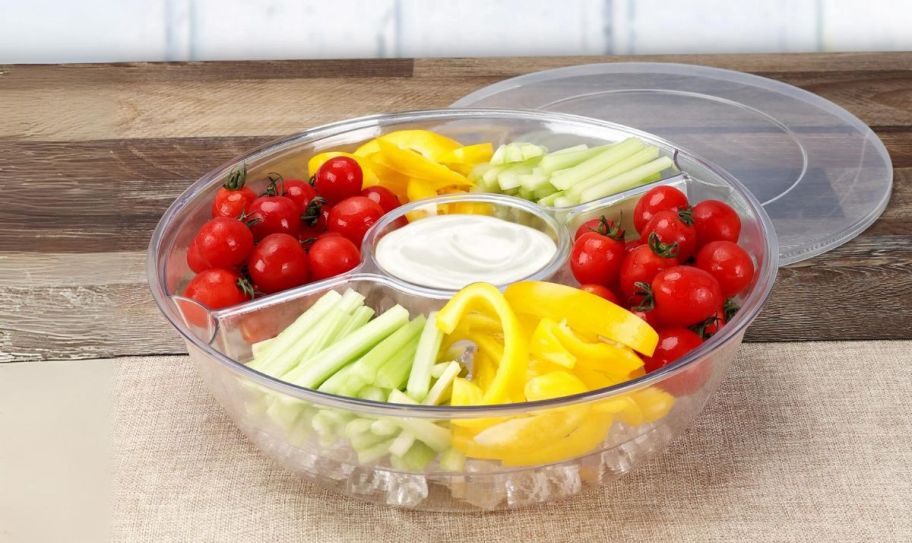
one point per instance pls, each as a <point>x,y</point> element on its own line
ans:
<point>305,430</point>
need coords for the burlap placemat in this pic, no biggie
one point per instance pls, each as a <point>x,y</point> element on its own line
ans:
<point>804,442</point>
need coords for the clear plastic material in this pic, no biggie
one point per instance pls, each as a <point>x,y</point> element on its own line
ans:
<point>597,435</point>
<point>821,174</point>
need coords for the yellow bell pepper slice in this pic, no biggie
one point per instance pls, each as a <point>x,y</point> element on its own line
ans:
<point>511,367</point>
<point>583,311</point>
<point>520,435</point>
<point>583,439</point>
<point>470,154</point>
<point>465,392</point>
<point>430,144</point>
<point>609,358</point>
<point>555,384</point>
<point>654,402</point>
<point>546,345</point>
<point>370,178</point>
<point>415,165</point>
<point>419,189</point>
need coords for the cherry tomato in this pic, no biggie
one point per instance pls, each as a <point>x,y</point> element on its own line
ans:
<point>648,316</point>
<point>716,221</point>
<point>217,288</point>
<point>274,215</point>
<point>313,221</point>
<point>673,344</point>
<point>643,263</point>
<point>602,292</point>
<point>633,244</point>
<point>331,255</point>
<point>685,295</point>
<point>657,199</point>
<point>674,226</point>
<point>233,198</point>
<point>711,325</point>
<point>194,260</point>
<point>595,258</point>
<point>278,263</point>
<point>299,192</point>
<point>729,264</point>
<point>222,242</point>
<point>601,225</point>
<point>352,217</point>
<point>338,178</point>
<point>383,196</point>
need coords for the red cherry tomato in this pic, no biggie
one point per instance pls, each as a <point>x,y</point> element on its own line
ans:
<point>673,344</point>
<point>711,325</point>
<point>217,288</point>
<point>331,255</point>
<point>595,258</point>
<point>633,244</point>
<point>602,292</point>
<point>657,199</point>
<point>353,216</point>
<point>299,192</point>
<point>274,215</point>
<point>233,198</point>
<point>382,196</point>
<point>674,226</point>
<point>643,263</point>
<point>313,221</point>
<point>648,316</point>
<point>601,225</point>
<point>729,264</point>
<point>716,221</point>
<point>685,295</point>
<point>194,260</point>
<point>278,263</point>
<point>222,242</point>
<point>338,178</point>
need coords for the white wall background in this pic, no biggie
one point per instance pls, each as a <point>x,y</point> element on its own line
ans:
<point>126,30</point>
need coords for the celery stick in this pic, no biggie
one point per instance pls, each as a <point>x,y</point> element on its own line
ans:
<point>367,367</point>
<point>372,393</point>
<point>564,179</point>
<point>342,379</point>
<point>356,344</point>
<point>374,453</point>
<point>286,413</point>
<point>626,181</point>
<point>452,460</point>
<point>383,427</point>
<point>545,189</point>
<point>437,369</point>
<point>287,339</point>
<point>417,457</point>
<point>639,158</point>
<point>394,373</point>
<point>489,178</point>
<point>320,335</point>
<point>499,155</point>
<point>434,436</point>
<point>366,439</point>
<point>358,319</point>
<point>260,348</point>
<point>533,181</point>
<point>566,158</point>
<point>357,426</point>
<point>530,151</point>
<point>549,200</point>
<point>571,149</point>
<point>402,444</point>
<point>514,152</point>
<point>419,379</point>
<point>563,201</point>
<point>440,392</point>
<point>509,178</point>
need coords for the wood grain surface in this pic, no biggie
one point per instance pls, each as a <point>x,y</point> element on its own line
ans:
<point>91,155</point>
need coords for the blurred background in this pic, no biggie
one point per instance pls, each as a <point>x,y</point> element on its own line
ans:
<point>39,31</point>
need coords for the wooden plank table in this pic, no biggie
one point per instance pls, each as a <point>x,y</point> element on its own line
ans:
<point>91,155</point>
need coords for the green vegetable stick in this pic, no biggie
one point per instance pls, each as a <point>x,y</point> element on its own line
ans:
<point>560,160</point>
<point>358,319</point>
<point>394,373</point>
<point>368,366</point>
<point>441,389</point>
<point>436,437</point>
<point>357,426</point>
<point>285,340</point>
<point>626,180</point>
<point>342,379</point>
<point>322,332</point>
<point>643,156</point>
<point>260,348</point>
<point>419,379</point>
<point>374,453</point>
<point>372,393</point>
<point>437,369</point>
<point>384,427</point>
<point>402,443</point>
<point>564,179</point>
<point>417,457</point>
<point>452,460</point>
<point>341,353</point>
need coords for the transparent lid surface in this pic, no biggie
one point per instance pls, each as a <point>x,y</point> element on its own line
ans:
<point>822,175</point>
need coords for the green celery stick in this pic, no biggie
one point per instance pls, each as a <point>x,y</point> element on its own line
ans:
<point>365,440</point>
<point>571,149</point>
<point>566,158</point>
<point>499,155</point>
<point>341,380</point>
<point>341,353</point>
<point>417,457</point>
<point>395,371</point>
<point>320,335</point>
<point>508,178</point>
<point>452,460</point>
<point>564,179</point>
<point>357,426</point>
<point>436,437</point>
<point>419,379</point>
<point>530,151</point>
<point>440,392</point>
<point>626,181</point>
<point>383,427</point>
<point>402,443</point>
<point>287,339</point>
<point>545,189</point>
<point>437,369</point>
<point>549,200</point>
<point>358,319</point>
<point>368,366</point>
<point>372,393</point>
<point>260,348</point>
<point>374,453</point>
<point>643,156</point>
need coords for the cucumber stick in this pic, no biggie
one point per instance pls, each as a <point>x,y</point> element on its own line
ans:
<point>341,353</point>
<point>419,379</point>
<point>564,179</point>
<point>627,180</point>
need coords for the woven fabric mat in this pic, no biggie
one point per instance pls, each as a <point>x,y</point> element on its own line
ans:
<point>803,442</point>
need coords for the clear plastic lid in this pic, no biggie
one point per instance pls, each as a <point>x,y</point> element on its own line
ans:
<point>822,175</point>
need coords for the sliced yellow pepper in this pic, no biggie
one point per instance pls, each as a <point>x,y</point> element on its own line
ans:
<point>415,165</point>
<point>580,441</point>
<point>370,178</point>
<point>610,358</point>
<point>555,384</point>
<point>511,367</point>
<point>546,345</point>
<point>430,144</point>
<point>584,312</point>
<point>470,154</point>
<point>465,392</point>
